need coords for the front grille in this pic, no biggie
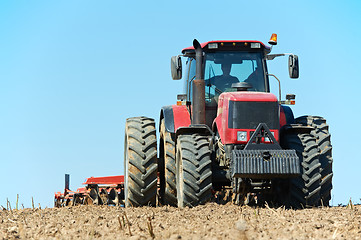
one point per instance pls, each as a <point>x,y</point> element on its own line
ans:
<point>247,115</point>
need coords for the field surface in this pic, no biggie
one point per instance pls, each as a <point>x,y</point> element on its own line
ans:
<point>210,221</point>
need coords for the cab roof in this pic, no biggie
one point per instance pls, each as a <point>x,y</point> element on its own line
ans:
<point>230,45</point>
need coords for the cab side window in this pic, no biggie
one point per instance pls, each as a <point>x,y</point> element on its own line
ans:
<point>190,76</point>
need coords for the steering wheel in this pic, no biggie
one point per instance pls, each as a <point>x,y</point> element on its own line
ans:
<point>215,88</point>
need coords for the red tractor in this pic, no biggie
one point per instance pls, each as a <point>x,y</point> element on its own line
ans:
<point>227,132</point>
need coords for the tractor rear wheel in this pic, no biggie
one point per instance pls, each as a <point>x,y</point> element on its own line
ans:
<point>323,139</point>
<point>167,165</point>
<point>194,171</point>
<point>140,162</point>
<point>304,191</point>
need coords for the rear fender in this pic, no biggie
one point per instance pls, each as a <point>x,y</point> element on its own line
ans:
<point>175,117</point>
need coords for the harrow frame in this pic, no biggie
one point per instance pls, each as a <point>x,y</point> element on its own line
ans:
<point>97,191</point>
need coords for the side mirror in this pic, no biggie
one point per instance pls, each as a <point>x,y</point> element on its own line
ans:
<point>293,68</point>
<point>176,67</point>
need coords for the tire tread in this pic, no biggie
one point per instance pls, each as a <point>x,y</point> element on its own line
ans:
<point>141,147</point>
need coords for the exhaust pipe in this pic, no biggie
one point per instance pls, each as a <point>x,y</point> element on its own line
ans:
<point>198,103</point>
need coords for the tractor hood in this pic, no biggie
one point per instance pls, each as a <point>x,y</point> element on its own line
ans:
<point>243,111</point>
<point>247,96</point>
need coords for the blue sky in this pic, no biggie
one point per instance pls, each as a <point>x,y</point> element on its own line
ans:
<point>71,72</point>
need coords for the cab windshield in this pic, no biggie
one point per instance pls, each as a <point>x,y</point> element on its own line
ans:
<point>222,69</point>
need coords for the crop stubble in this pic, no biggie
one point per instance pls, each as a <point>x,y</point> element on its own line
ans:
<point>210,221</point>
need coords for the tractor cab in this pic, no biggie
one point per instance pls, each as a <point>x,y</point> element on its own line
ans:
<point>226,63</point>
<point>227,66</point>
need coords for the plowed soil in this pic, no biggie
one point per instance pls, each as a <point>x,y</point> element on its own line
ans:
<point>210,221</point>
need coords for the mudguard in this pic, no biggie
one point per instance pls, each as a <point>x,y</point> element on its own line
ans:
<point>175,116</point>
<point>286,116</point>
<point>296,128</point>
<point>195,128</point>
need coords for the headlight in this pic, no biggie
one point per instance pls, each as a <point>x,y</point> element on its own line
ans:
<point>242,136</point>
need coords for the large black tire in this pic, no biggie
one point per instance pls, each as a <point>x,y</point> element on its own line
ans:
<point>140,162</point>
<point>304,191</point>
<point>167,167</point>
<point>323,139</point>
<point>194,170</point>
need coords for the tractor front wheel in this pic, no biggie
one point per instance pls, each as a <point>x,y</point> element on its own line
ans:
<point>323,139</point>
<point>194,171</point>
<point>304,191</point>
<point>167,167</point>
